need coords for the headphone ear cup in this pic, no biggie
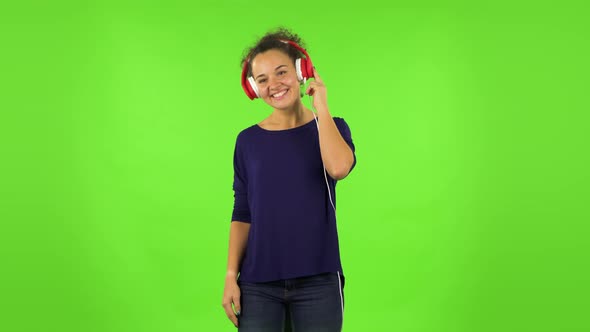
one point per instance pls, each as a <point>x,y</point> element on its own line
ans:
<point>253,88</point>
<point>306,68</point>
<point>248,88</point>
<point>248,83</point>
<point>298,69</point>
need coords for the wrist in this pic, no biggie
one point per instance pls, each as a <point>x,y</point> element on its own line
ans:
<point>323,111</point>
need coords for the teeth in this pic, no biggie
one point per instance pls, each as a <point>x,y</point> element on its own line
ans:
<point>280,94</point>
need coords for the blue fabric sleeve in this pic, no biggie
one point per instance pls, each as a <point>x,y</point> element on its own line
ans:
<point>241,210</point>
<point>345,132</point>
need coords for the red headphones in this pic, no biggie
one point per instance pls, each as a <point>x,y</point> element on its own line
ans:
<point>304,69</point>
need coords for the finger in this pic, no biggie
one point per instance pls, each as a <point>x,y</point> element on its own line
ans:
<point>316,76</point>
<point>237,305</point>
<point>229,311</point>
<point>313,86</point>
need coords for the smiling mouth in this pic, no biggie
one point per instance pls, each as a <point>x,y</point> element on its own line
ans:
<point>279,95</point>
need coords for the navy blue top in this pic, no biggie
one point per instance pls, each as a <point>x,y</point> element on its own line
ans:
<point>280,189</point>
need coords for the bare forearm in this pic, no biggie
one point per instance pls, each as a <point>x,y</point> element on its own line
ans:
<point>238,239</point>
<point>336,154</point>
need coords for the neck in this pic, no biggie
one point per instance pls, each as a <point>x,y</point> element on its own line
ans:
<point>291,117</point>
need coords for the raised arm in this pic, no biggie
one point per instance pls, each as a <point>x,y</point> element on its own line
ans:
<point>337,156</point>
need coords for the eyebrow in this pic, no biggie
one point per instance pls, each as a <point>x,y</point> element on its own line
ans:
<point>275,70</point>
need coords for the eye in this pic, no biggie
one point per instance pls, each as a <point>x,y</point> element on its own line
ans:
<point>282,72</point>
<point>262,80</point>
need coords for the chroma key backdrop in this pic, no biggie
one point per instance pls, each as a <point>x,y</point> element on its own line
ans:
<point>467,210</point>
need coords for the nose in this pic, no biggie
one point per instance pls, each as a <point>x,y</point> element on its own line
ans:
<point>274,83</point>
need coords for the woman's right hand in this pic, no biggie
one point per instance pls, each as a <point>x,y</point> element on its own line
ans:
<point>231,295</point>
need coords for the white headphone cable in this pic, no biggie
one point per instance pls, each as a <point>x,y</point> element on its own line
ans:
<point>325,173</point>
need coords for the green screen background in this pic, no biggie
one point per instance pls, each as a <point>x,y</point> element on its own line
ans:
<point>467,210</point>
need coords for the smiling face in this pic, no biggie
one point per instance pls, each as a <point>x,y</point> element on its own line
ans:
<point>276,79</point>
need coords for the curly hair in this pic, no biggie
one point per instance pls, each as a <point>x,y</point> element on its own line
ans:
<point>273,40</point>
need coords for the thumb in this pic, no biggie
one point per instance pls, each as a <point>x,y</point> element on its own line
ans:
<point>237,305</point>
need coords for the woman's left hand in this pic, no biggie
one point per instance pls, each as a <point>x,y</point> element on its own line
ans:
<point>317,89</point>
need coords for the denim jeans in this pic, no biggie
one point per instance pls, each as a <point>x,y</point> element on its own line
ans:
<point>307,304</point>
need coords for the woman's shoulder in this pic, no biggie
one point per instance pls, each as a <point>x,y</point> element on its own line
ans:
<point>246,134</point>
<point>338,119</point>
<point>341,123</point>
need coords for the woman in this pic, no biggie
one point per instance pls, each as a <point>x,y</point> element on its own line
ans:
<point>284,268</point>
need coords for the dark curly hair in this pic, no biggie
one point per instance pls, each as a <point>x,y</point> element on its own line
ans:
<point>272,40</point>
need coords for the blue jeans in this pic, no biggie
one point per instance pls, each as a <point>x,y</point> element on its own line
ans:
<point>307,304</point>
